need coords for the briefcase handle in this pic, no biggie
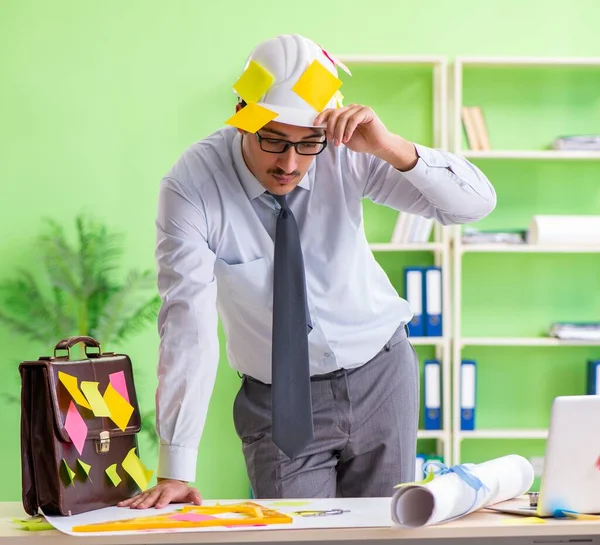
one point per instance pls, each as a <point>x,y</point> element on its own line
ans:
<point>69,342</point>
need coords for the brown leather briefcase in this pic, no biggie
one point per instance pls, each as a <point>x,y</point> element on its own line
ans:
<point>74,456</point>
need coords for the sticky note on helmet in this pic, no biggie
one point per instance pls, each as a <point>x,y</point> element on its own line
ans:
<point>317,85</point>
<point>251,118</point>
<point>253,83</point>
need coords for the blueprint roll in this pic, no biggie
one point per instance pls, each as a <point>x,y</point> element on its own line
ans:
<point>581,230</point>
<point>450,495</point>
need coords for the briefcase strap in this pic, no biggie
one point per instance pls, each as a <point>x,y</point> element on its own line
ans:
<point>69,342</point>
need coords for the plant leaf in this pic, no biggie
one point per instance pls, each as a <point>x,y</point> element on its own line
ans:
<point>124,304</point>
<point>29,311</point>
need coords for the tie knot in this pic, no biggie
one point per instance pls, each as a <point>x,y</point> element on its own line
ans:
<point>282,200</point>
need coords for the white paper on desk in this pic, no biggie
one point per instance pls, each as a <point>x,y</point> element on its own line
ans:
<point>567,229</point>
<point>359,513</point>
<point>448,496</point>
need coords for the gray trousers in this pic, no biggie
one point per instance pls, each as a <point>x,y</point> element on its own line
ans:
<point>365,423</point>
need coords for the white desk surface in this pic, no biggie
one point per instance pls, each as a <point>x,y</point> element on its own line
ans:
<point>482,527</point>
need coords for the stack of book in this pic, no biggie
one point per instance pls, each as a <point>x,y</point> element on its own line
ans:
<point>475,128</point>
<point>471,235</point>
<point>577,143</point>
<point>584,331</point>
<point>412,229</point>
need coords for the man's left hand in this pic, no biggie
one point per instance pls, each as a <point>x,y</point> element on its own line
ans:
<point>360,129</point>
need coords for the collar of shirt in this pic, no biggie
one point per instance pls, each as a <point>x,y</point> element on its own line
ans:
<point>251,185</point>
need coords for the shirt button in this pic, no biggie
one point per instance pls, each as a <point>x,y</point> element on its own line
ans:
<point>327,354</point>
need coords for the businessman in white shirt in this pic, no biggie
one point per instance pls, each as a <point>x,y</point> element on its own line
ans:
<point>261,224</point>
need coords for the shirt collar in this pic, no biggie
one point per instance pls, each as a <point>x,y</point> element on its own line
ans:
<point>251,185</point>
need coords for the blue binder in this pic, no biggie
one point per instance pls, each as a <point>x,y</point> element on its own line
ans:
<point>468,387</point>
<point>593,377</point>
<point>413,293</point>
<point>433,301</point>
<point>433,393</point>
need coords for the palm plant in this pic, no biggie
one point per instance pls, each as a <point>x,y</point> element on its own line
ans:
<point>81,296</point>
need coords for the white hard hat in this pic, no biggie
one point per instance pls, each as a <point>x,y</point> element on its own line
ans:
<point>287,58</point>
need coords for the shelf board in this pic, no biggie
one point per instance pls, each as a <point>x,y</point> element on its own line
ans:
<point>504,434</point>
<point>529,61</point>
<point>392,59</point>
<point>523,341</point>
<point>529,248</point>
<point>431,434</point>
<point>531,154</point>
<point>426,341</point>
<point>407,247</point>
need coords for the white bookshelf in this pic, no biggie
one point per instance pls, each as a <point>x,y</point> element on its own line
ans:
<point>441,245</point>
<point>408,247</point>
<point>557,155</point>
<point>522,341</point>
<point>504,434</point>
<point>460,249</point>
<point>528,248</point>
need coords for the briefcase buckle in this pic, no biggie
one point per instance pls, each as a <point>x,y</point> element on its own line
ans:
<point>103,443</point>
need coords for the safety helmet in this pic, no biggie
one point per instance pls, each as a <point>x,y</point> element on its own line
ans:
<point>289,79</point>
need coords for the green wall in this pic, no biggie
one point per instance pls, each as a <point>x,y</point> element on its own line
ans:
<point>100,98</point>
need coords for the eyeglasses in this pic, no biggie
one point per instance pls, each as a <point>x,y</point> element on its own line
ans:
<point>275,145</point>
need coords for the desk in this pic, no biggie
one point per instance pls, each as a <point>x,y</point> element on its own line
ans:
<point>479,528</point>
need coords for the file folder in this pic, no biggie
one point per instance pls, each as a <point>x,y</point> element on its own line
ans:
<point>593,377</point>
<point>468,376</point>
<point>413,287</point>
<point>433,301</point>
<point>432,394</point>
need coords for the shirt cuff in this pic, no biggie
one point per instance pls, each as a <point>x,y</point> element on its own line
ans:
<point>177,463</point>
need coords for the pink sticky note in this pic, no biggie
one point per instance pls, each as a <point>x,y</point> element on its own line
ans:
<point>76,427</point>
<point>118,383</point>
<point>191,517</point>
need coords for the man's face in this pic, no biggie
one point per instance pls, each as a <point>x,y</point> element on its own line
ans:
<point>280,173</point>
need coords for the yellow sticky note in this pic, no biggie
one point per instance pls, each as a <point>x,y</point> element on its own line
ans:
<point>85,467</point>
<point>138,472</point>
<point>317,85</point>
<point>253,83</point>
<point>120,410</point>
<point>70,472</point>
<point>427,479</point>
<point>34,524</point>
<point>111,471</point>
<point>70,383</point>
<point>90,390</point>
<point>251,118</point>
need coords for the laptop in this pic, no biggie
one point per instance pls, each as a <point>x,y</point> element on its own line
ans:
<point>571,475</point>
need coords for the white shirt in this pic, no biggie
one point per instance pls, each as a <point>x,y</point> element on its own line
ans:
<point>214,251</point>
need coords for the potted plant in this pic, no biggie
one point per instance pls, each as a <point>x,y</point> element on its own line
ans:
<point>80,294</point>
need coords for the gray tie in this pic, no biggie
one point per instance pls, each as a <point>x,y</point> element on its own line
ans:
<point>290,391</point>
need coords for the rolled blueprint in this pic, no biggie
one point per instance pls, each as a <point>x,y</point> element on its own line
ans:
<point>450,496</point>
<point>581,230</point>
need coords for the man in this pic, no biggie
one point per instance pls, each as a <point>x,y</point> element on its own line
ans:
<point>262,222</point>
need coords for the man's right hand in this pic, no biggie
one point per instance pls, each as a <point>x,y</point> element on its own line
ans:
<point>166,491</point>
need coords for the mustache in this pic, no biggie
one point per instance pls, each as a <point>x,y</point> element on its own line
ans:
<point>279,172</point>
